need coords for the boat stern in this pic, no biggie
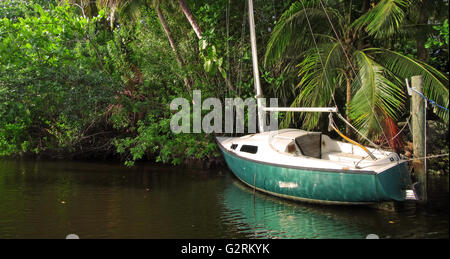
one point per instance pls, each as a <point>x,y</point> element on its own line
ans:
<point>395,183</point>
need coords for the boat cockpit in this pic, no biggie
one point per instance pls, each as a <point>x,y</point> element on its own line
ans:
<point>315,145</point>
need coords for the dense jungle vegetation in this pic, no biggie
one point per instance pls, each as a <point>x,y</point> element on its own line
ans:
<point>94,79</point>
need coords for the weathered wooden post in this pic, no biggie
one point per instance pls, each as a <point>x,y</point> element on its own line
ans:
<point>418,112</point>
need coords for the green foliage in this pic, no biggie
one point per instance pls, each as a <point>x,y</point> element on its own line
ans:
<point>51,82</point>
<point>155,139</point>
<point>331,45</point>
<point>80,81</point>
<point>437,45</point>
<point>384,19</point>
<point>207,45</point>
<point>375,93</point>
<point>442,39</point>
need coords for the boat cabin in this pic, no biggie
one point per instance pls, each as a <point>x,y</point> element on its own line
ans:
<point>303,144</point>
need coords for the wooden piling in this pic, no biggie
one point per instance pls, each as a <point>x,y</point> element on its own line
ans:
<point>418,109</point>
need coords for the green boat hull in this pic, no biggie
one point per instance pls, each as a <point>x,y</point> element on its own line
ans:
<point>321,186</point>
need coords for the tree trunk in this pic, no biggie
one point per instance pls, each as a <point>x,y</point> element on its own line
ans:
<point>365,6</point>
<point>173,46</point>
<point>422,52</point>
<point>191,18</point>
<point>418,113</point>
<point>198,31</point>
<point>111,17</point>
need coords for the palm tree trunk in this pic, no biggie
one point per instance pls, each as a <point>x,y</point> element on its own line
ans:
<point>111,18</point>
<point>191,18</point>
<point>172,45</point>
<point>365,6</point>
<point>422,52</point>
<point>198,31</point>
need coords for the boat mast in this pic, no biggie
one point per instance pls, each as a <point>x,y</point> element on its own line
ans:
<point>257,84</point>
<point>261,108</point>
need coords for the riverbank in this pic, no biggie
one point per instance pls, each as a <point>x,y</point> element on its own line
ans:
<point>153,144</point>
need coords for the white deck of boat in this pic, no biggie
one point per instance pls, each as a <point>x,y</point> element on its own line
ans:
<point>335,155</point>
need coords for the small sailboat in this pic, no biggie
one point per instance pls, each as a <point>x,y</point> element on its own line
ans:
<point>310,166</point>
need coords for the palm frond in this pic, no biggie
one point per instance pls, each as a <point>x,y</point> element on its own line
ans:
<point>131,10</point>
<point>375,96</point>
<point>292,32</point>
<point>435,82</point>
<point>383,20</point>
<point>319,72</point>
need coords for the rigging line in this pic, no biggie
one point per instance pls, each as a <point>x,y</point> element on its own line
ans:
<point>427,157</point>
<point>274,17</point>
<point>239,76</point>
<point>228,42</point>
<point>329,85</point>
<point>425,135</point>
<point>357,131</point>
<point>404,126</point>
<point>318,53</point>
<point>353,69</point>
<point>333,126</point>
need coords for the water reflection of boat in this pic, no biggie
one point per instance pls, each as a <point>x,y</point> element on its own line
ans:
<point>262,216</point>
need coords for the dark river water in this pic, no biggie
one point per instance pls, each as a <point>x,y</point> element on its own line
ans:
<point>48,199</point>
